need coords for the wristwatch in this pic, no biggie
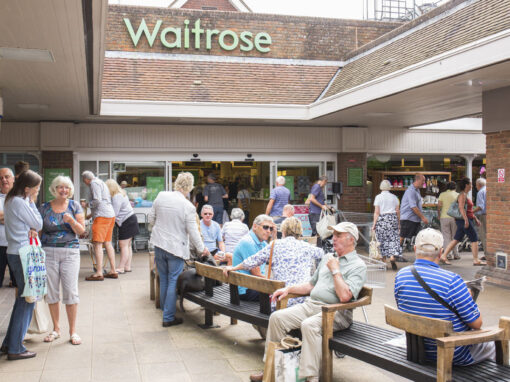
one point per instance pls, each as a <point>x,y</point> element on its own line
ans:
<point>335,272</point>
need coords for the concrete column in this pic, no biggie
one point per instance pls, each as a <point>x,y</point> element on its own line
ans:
<point>469,168</point>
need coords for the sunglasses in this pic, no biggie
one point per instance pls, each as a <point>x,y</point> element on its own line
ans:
<point>267,228</point>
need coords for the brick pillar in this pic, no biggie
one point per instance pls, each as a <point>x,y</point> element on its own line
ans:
<point>354,199</point>
<point>498,214</point>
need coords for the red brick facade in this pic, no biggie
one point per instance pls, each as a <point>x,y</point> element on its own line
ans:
<point>216,5</point>
<point>57,159</point>
<point>292,37</point>
<point>498,199</point>
<point>354,199</point>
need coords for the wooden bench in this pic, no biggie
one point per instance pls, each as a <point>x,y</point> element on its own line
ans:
<point>369,344</point>
<point>225,299</point>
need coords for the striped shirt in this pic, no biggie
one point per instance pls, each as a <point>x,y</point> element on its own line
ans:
<point>412,298</point>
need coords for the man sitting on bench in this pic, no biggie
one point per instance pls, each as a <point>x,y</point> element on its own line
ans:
<point>447,298</point>
<point>339,278</point>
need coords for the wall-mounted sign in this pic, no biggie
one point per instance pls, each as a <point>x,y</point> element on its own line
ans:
<point>174,37</point>
<point>355,177</point>
<point>501,175</point>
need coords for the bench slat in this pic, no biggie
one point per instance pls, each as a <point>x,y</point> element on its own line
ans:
<point>368,343</point>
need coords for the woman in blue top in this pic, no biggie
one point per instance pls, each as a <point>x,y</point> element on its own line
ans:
<point>22,220</point>
<point>63,222</point>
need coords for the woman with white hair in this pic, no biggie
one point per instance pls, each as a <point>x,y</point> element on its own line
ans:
<point>175,225</point>
<point>387,223</point>
<point>292,259</point>
<point>233,231</point>
<point>63,223</point>
<point>126,222</point>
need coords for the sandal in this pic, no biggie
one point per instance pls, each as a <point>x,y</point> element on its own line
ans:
<point>75,339</point>
<point>120,271</point>
<point>52,337</point>
<point>444,262</point>
<point>480,264</point>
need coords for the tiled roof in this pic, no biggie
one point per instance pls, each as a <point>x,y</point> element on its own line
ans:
<point>475,21</point>
<point>161,80</point>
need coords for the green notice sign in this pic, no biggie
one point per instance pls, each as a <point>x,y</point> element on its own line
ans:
<point>289,183</point>
<point>355,177</point>
<point>49,175</point>
<point>155,184</point>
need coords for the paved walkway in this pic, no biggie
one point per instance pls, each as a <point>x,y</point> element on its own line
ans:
<point>123,339</point>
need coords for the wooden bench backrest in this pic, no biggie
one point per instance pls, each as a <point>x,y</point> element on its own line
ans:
<point>235,278</point>
<point>418,325</point>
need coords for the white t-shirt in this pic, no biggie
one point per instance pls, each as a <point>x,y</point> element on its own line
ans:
<point>387,202</point>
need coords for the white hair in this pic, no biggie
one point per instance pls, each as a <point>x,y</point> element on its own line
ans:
<point>184,182</point>
<point>237,213</point>
<point>385,185</point>
<point>481,181</point>
<point>8,169</point>
<point>262,218</point>
<point>61,181</point>
<point>289,208</point>
<point>280,180</point>
<point>88,175</point>
<point>206,207</point>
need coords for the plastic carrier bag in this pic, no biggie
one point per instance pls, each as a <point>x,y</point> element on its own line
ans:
<point>33,260</point>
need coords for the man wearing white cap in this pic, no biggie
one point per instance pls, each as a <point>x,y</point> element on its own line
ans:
<point>338,278</point>
<point>457,305</point>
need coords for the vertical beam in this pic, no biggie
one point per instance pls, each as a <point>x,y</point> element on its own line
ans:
<point>469,168</point>
<point>327,353</point>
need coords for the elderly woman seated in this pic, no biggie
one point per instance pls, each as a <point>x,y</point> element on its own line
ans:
<point>292,260</point>
<point>232,232</point>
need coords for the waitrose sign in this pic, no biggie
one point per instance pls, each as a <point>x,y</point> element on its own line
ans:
<point>179,37</point>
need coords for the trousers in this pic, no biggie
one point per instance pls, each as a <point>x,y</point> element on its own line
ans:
<point>308,317</point>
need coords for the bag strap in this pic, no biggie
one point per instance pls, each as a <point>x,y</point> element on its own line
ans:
<point>270,260</point>
<point>434,294</point>
<point>32,240</point>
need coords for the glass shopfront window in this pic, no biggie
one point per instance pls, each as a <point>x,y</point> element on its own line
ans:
<point>9,159</point>
<point>142,181</point>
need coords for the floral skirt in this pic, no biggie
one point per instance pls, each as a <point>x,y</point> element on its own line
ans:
<point>388,236</point>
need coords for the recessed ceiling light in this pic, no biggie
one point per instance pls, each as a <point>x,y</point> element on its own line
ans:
<point>21,54</point>
<point>32,106</point>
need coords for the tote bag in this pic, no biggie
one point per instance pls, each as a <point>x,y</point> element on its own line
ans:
<point>40,318</point>
<point>374,253</point>
<point>454,210</point>
<point>286,362</point>
<point>327,219</point>
<point>33,260</point>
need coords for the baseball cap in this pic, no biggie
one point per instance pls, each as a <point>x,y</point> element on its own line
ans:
<point>346,227</point>
<point>429,240</point>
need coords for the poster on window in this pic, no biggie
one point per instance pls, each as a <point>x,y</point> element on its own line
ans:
<point>155,184</point>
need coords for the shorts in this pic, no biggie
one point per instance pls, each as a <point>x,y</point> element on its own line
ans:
<point>102,229</point>
<point>62,267</point>
<point>470,231</point>
<point>408,228</point>
<point>129,228</point>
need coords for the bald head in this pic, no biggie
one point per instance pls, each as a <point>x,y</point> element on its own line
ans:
<point>6,180</point>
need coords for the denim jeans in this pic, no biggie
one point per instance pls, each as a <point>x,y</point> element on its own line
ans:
<point>169,268</point>
<point>21,312</point>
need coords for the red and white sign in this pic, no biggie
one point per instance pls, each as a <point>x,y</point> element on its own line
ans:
<point>501,175</point>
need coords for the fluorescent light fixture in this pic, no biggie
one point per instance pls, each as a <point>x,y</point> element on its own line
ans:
<point>379,114</point>
<point>32,106</point>
<point>462,124</point>
<point>21,54</point>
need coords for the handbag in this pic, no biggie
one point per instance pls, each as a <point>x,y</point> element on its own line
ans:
<point>286,361</point>
<point>374,252</point>
<point>40,318</point>
<point>326,219</point>
<point>454,210</point>
<point>33,260</point>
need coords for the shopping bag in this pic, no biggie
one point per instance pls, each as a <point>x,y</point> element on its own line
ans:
<point>33,260</point>
<point>327,219</point>
<point>286,361</point>
<point>40,318</point>
<point>374,252</point>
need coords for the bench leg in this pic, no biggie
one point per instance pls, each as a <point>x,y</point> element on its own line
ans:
<point>444,364</point>
<point>209,314</point>
<point>152,278</point>
<point>157,292</point>
<point>327,353</point>
<point>233,321</point>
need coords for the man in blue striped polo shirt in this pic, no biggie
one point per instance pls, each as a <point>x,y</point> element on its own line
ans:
<point>412,298</point>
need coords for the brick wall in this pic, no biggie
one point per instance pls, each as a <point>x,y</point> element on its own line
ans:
<point>498,199</point>
<point>57,159</point>
<point>354,199</point>
<point>220,5</point>
<point>292,36</point>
